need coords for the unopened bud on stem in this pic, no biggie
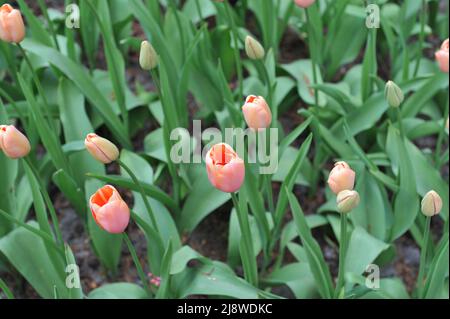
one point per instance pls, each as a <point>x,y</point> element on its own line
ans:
<point>148,58</point>
<point>394,95</point>
<point>347,200</point>
<point>254,49</point>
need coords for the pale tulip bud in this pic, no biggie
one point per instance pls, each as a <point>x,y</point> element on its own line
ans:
<point>148,58</point>
<point>393,94</point>
<point>254,49</point>
<point>226,171</point>
<point>13,143</point>
<point>347,200</point>
<point>341,177</point>
<point>257,113</point>
<point>12,28</point>
<point>442,56</point>
<point>109,210</point>
<point>431,204</point>
<point>101,149</point>
<point>304,3</point>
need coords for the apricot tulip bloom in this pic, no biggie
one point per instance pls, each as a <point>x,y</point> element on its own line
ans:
<point>341,178</point>
<point>13,143</point>
<point>304,3</point>
<point>101,148</point>
<point>257,113</point>
<point>12,28</point>
<point>226,171</point>
<point>109,210</point>
<point>442,56</point>
<point>431,204</point>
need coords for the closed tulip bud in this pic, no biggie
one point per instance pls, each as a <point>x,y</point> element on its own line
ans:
<point>393,94</point>
<point>442,56</point>
<point>347,201</point>
<point>254,49</point>
<point>12,28</point>
<point>304,3</point>
<point>109,210</point>
<point>101,149</point>
<point>341,178</point>
<point>148,58</point>
<point>13,143</point>
<point>226,171</point>
<point>257,113</point>
<point>431,204</point>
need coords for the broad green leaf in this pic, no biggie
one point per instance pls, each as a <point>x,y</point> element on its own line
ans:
<point>316,261</point>
<point>27,253</point>
<point>196,207</point>
<point>362,250</point>
<point>120,290</point>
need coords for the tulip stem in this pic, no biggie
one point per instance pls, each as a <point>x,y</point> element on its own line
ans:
<point>47,201</point>
<point>38,86</point>
<point>248,260</point>
<point>199,10</point>
<point>51,27</point>
<point>423,257</point>
<point>440,138</point>
<point>342,253</point>
<point>399,120</point>
<point>313,60</point>
<point>180,28</point>
<point>237,57</point>
<point>421,36</point>
<point>268,179</point>
<point>137,263</point>
<point>175,179</point>
<point>141,190</point>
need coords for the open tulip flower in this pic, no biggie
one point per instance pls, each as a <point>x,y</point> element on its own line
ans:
<point>12,28</point>
<point>13,143</point>
<point>442,56</point>
<point>304,3</point>
<point>109,210</point>
<point>257,113</point>
<point>226,171</point>
<point>341,178</point>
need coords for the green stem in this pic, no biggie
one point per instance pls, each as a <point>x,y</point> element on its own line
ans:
<point>199,10</point>
<point>49,22</point>
<point>313,60</point>
<point>423,258</point>
<point>342,253</point>
<point>440,139</point>
<point>144,197</point>
<point>38,86</point>
<point>421,36</point>
<point>137,263</point>
<point>236,52</point>
<point>6,290</point>
<point>44,236</point>
<point>180,28</point>
<point>268,180</point>
<point>399,120</point>
<point>175,179</point>
<point>248,261</point>
<point>16,108</point>
<point>48,201</point>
